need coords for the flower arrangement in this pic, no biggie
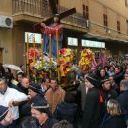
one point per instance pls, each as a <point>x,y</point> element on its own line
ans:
<point>46,64</point>
<point>86,59</point>
<point>65,60</point>
<point>33,52</point>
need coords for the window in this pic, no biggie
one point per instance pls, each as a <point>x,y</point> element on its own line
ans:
<point>85,12</point>
<point>118,26</point>
<point>127,26</point>
<point>126,3</point>
<point>105,20</point>
<point>84,15</point>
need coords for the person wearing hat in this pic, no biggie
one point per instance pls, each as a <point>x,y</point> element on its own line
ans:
<point>35,93</point>
<point>40,110</point>
<point>5,117</point>
<point>107,92</point>
<point>107,89</point>
<point>91,112</point>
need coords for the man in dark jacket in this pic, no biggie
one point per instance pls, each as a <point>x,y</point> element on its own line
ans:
<point>67,109</point>
<point>35,93</point>
<point>40,110</point>
<point>23,87</point>
<point>119,74</point>
<point>123,98</point>
<point>106,93</point>
<point>91,113</point>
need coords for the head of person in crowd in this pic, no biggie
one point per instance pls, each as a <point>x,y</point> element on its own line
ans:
<point>20,76</point>
<point>6,117</point>
<point>126,70</point>
<point>106,84</point>
<point>111,79</point>
<point>45,83</point>
<point>111,68</point>
<point>92,81</point>
<point>25,82</point>
<point>63,124</point>
<point>30,122</point>
<point>124,85</point>
<point>3,85</point>
<point>106,68</point>
<point>102,72</point>
<point>113,107</point>
<point>9,76</point>
<point>126,76</point>
<point>34,89</point>
<point>54,84</point>
<point>2,70</point>
<point>117,69</point>
<point>40,110</point>
<point>69,97</point>
<point>87,83</point>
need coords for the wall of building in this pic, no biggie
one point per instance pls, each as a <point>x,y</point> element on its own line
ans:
<point>115,11</point>
<point>5,8</point>
<point>6,42</point>
<point>6,45</point>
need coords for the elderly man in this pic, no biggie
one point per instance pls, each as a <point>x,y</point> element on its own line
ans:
<point>9,97</point>
<point>54,95</point>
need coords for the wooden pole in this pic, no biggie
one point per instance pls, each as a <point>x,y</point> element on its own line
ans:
<point>34,46</point>
<point>27,56</point>
<point>42,53</point>
<point>50,51</point>
<point>57,45</point>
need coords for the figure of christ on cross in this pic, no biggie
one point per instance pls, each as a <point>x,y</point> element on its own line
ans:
<point>54,32</point>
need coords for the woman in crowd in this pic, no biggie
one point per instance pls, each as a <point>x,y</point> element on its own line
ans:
<point>113,117</point>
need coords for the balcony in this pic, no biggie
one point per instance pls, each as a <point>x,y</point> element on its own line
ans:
<point>75,20</point>
<point>30,10</point>
<point>37,10</point>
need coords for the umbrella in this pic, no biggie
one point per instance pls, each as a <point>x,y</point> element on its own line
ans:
<point>11,66</point>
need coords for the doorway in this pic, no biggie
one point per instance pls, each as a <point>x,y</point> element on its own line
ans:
<point>1,55</point>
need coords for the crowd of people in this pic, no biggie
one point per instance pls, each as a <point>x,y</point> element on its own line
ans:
<point>98,99</point>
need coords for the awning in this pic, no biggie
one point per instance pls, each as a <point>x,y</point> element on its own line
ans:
<point>95,37</point>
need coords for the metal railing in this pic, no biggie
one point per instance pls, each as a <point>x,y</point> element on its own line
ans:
<point>40,8</point>
<point>37,8</point>
<point>75,19</point>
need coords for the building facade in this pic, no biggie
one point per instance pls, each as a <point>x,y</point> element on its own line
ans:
<point>96,20</point>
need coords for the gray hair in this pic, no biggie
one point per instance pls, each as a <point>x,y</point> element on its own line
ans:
<point>124,83</point>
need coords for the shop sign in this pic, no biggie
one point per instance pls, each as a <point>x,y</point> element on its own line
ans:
<point>93,44</point>
<point>32,38</point>
<point>72,41</point>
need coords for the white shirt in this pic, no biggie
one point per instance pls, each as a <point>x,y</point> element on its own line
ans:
<point>12,95</point>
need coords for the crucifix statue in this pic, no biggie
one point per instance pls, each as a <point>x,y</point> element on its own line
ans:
<point>52,28</point>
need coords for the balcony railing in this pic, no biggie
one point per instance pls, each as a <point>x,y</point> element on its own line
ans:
<point>38,8</point>
<point>75,19</point>
<point>41,9</point>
